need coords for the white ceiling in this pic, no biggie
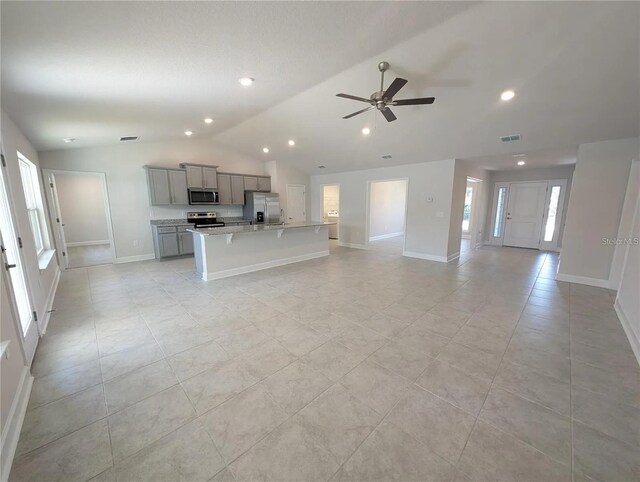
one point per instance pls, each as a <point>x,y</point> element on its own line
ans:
<point>97,71</point>
<point>574,67</point>
<point>533,159</point>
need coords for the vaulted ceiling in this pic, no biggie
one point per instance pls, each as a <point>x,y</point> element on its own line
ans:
<point>98,71</point>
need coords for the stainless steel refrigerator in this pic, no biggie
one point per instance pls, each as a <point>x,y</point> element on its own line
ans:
<point>267,203</point>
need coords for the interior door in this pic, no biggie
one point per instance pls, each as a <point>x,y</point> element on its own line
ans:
<point>58,223</point>
<point>296,204</point>
<point>525,214</point>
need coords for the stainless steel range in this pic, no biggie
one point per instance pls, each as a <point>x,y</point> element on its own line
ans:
<point>204,220</point>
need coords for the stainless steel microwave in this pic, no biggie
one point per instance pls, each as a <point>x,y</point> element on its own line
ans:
<point>197,196</point>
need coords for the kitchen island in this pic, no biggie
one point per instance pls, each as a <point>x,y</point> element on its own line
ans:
<point>233,250</point>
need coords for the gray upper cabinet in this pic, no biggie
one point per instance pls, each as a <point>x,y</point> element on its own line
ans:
<point>237,190</point>
<point>250,183</point>
<point>201,177</point>
<point>264,184</point>
<point>159,192</point>
<point>224,189</point>
<point>178,187</point>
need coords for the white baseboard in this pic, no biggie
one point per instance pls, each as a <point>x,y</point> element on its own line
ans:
<point>351,245</point>
<point>88,243</point>
<point>385,236</point>
<point>453,256</point>
<point>634,338</point>
<point>49,304</point>
<point>583,280</point>
<point>479,244</point>
<point>428,257</point>
<point>260,266</point>
<point>132,259</point>
<point>13,426</point>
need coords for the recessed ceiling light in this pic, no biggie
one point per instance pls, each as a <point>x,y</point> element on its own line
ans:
<point>366,131</point>
<point>246,81</point>
<point>292,142</point>
<point>519,155</point>
<point>507,95</point>
<point>188,133</point>
<point>321,167</point>
<point>265,150</point>
<point>69,139</point>
<point>521,163</point>
<point>208,120</point>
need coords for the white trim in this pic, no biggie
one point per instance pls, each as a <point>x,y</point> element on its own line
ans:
<point>11,432</point>
<point>634,339</point>
<point>351,245</point>
<point>88,243</point>
<point>261,266</point>
<point>453,256</point>
<point>386,236</point>
<point>133,259</point>
<point>49,304</point>
<point>428,257</point>
<point>583,280</point>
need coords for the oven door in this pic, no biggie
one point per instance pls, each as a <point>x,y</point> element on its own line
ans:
<point>203,197</point>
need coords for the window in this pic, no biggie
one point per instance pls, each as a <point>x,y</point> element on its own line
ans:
<point>499,214</point>
<point>33,198</point>
<point>552,213</point>
<point>466,215</point>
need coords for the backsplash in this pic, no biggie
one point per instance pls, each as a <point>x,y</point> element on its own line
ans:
<point>177,212</point>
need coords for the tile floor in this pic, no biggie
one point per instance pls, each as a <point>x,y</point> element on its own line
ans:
<point>390,245</point>
<point>83,256</point>
<point>359,366</point>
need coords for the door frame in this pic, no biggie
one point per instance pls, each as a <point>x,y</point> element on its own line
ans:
<point>304,193</point>
<point>548,246</point>
<point>52,195</point>
<point>322,203</point>
<point>368,210</point>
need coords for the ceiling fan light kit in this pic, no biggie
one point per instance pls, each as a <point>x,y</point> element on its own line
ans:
<point>383,99</point>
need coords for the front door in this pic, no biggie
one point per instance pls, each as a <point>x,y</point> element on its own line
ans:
<point>296,204</point>
<point>525,211</point>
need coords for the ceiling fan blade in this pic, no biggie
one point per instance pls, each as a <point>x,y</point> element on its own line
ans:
<point>356,113</point>
<point>353,97</point>
<point>386,112</point>
<point>393,89</point>
<point>420,101</point>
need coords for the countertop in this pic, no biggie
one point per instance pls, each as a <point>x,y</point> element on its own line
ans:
<point>255,228</point>
<point>184,222</point>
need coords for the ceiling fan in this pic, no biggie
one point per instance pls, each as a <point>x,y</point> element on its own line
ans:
<point>383,99</point>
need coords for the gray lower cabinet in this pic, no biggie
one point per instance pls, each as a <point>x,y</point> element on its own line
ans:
<point>172,241</point>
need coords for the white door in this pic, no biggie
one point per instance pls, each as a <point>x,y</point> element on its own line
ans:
<point>13,263</point>
<point>525,212</point>
<point>58,229</point>
<point>296,203</point>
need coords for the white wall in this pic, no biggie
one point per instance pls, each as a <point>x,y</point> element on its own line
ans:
<point>283,174</point>
<point>387,204</point>
<point>597,195</point>
<point>82,207</point>
<point>127,183</point>
<point>524,175</point>
<point>427,224</point>
<point>627,301</point>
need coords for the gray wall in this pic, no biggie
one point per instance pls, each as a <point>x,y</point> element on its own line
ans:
<point>522,175</point>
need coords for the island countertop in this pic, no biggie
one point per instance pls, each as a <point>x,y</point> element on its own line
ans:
<point>255,228</point>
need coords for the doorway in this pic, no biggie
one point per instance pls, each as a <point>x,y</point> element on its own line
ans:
<point>386,222</point>
<point>331,208</point>
<point>528,214</point>
<point>82,223</point>
<point>296,203</point>
<point>471,218</point>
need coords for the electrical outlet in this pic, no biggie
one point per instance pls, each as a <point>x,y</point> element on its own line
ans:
<point>135,243</point>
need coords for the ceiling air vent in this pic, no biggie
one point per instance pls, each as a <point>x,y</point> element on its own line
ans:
<point>513,137</point>
<point>387,156</point>
<point>129,138</point>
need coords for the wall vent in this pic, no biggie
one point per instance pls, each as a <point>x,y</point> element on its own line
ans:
<point>510,138</point>
<point>387,156</point>
<point>129,138</point>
